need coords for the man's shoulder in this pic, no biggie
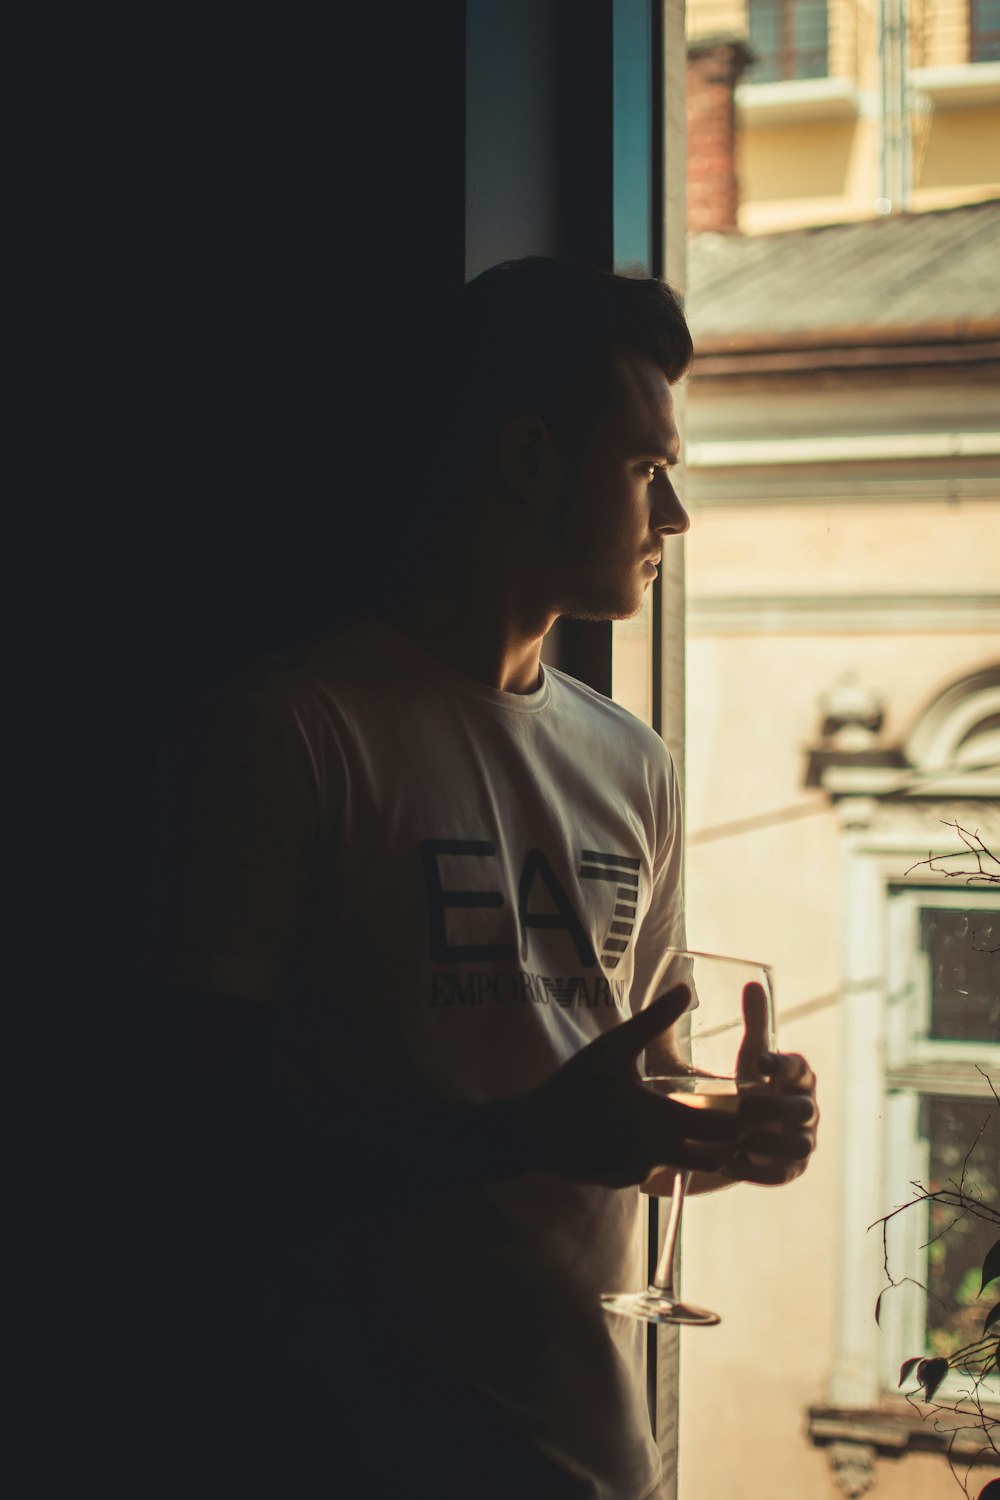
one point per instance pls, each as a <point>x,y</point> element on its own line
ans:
<point>283,683</point>
<point>349,650</point>
<point>601,713</point>
<point>271,706</point>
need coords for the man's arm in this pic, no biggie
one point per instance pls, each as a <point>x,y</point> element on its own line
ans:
<point>238,821</point>
<point>232,1133</point>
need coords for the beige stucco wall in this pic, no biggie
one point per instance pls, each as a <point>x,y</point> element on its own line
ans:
<point>939,32</point>
<point>769,1259</point>
<point>963,148</point>
<point>810,160</point>
<point>933,547</point>
<point>802,172</point>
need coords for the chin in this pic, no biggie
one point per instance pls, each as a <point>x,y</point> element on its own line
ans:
<point>603,609</point>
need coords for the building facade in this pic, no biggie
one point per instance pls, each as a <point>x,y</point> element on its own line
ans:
<point>843,722</point>
<point>849,104</point>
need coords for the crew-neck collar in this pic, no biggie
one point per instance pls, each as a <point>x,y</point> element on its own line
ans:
<point>431,666</point>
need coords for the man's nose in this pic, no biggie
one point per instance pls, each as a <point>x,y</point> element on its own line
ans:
<point>669,515</point>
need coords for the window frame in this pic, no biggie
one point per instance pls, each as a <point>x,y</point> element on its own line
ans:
<point>919,1067</point>
<point>786,56</point>
<point>984,43</point>
<point>882,840</point>
<point>908,996</point>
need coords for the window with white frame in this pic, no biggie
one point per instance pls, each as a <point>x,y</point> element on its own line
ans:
<point>942,1044</point>
<point>984,30</point>
<point>789,39</point>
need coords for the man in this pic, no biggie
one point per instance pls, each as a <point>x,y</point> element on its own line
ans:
<point>407,889</point>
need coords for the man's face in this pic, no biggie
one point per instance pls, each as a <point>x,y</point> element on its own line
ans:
<point>618,504</point>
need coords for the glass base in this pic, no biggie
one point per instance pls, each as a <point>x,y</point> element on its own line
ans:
<point>655,1306</point>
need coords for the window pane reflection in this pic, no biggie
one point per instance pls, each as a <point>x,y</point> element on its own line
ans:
<point>963,949</point>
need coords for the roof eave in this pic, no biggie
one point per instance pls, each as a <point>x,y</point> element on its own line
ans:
<point>964,343</point>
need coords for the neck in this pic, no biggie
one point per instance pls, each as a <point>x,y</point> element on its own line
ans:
<point>493,639</point>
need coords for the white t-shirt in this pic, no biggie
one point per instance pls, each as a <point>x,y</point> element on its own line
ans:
<point>441,891</point>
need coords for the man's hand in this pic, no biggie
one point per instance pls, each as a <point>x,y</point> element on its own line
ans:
<point>594,1121</point>
<point>779,1097</point>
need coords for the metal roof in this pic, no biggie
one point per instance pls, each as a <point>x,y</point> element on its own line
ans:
<point>882,278</point>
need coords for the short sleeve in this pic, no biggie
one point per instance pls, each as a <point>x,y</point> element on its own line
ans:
<point>662,926</point>
<point>232,838</point>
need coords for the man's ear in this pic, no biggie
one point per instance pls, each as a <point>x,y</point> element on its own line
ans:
<point>529,463</point>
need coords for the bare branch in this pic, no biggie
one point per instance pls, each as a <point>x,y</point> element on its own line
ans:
<point>987,871</point>
<point>989,1081</point>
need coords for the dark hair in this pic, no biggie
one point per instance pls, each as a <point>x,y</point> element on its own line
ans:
<point>540,335</point>
<point>371,425</point>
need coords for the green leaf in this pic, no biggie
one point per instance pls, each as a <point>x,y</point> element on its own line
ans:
<point>967,1290</point>
<point>930,1373</point>
<point>991,1266</point>
<point>907,1368</point>
<point>991,1318</point>
<point>878,1304</point>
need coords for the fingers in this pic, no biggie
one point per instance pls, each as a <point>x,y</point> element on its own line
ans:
<point>652,1020</point>
<point>686,1156</point>
<point>763,1173</point>
<point>789,1078</point>
<point>789,1070</point>
<point>755,1032</point>
<point>793,1146</point>
<point>760,1157</point>
<point>766,1124</point>
<point>779,1109</point>
<point>670,1134</point>
<point>779,1125</point>
<point>699,1156</point>
<point>702,1124</point>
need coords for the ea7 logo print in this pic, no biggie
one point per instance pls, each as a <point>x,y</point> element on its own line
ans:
<point>506,987</point>
<point>624,872</point>
<point>542,904</point>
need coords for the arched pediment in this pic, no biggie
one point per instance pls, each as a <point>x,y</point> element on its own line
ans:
<point>961,727</point>
<point>953,750</point>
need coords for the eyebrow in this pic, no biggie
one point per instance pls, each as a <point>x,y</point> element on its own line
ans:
<point>653,443</point>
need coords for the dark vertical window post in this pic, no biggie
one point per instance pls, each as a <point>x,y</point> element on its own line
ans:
<point>575,169</point>
<point>637,196</point>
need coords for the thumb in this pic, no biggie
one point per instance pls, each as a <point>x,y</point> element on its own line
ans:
<point>656,1017</point>
<point>756,1040</point>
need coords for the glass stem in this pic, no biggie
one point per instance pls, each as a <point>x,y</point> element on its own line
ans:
<point>664,1277</point>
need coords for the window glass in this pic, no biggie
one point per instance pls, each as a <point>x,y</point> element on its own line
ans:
<point>963,954</point>
<point>789,38</point>
<point>765,38</point>
<point>962,1153</point>
<point>808,29</point>
<point>765,24</point>
<point>984,31</point>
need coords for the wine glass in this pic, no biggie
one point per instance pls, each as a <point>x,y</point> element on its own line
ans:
<point>696,1063</point>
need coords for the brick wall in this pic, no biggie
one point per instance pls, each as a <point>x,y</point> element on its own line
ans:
<point>713,70</point>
